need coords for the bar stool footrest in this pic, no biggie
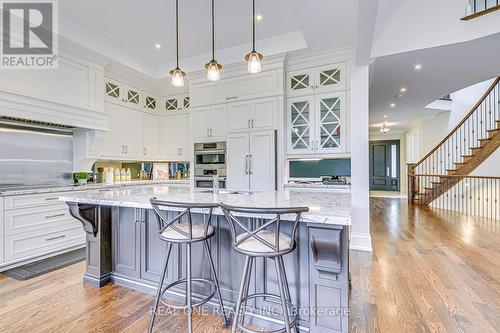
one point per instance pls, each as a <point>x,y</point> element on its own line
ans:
<point>193,305</point>
<point>291,306</point>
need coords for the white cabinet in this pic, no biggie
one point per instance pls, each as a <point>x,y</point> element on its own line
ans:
<point>175,139</point>
<point>260,114</point>
<point>210,123</point>
<point>124,139</point>
<point>150,136</point>
<point>317,124</point>
<point>251,161</point>
<point>317,80</point>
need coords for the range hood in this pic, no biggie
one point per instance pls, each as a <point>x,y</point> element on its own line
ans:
<point>35,124</point>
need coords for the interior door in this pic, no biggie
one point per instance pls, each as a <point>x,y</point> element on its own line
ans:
<point>384,165</point>
<point>262,161</point>
<point>237,159</point>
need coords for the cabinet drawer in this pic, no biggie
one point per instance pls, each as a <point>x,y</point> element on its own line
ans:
<point>38,218</point>
<point>42,242</point>
<point>36,200</point>
<point>25,201</point>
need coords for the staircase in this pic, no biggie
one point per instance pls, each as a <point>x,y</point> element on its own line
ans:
<point>468,145</point>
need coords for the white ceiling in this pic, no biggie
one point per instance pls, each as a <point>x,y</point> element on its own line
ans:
<point>445,69</point>
<point>127,30</point>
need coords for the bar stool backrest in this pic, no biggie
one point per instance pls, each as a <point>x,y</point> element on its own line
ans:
<point>164,222</point>
<point>241,231</point>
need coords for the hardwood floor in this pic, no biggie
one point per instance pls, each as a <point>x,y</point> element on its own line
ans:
<point>430,271</point>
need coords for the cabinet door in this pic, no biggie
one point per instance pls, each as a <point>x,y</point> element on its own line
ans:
<point>113,91</point>
<point>300,82</point>
<point>175,137</point>
<point>330,122</point>
<point>151,136</point>
<point>239,116</point>
<point>132,133</point>
<point>264,114</point>
<point>150,102</point>
<point>132,97</point>
<point>172,104</point>
<point>300,125</point>
<point>218,122</point>
<point>262,161</point>
<point>201,123</point>
<point>330,78</point>
<point>126,241</point>
<point>238,160</point>
<point>114,140</point>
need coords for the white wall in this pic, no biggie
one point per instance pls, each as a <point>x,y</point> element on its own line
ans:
<point>425,135</point>
<point>408,25</point>
<point>360,230</point>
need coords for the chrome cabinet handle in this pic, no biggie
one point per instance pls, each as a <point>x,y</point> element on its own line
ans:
<point>144,151</point>
<point>208,132</point>
<point>388,171</point>
<point>246,164</point>
<point>249,123</point>
<point>211,134</point>
<point>55,237</point>
<point>52,198</point>
<point>54,216</point>
<point>126,149</point>
<point>252,123</point>
<point>230,98</point>
<point>250,171</point>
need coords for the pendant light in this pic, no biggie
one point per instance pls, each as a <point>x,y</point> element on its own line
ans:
<point>254,58</point>
<point>213,68</point>
<point>177,73</point>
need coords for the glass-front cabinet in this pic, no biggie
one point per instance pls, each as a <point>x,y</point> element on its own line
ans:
<point>177,103</point>
<point>317,80</point>
<point>300,120</point>
<point>316,124</point>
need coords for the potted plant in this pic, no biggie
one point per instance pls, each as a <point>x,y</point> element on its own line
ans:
<point>81,177</point>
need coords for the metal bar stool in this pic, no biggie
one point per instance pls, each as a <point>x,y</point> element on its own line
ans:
<point>185,233</point>
<point>269,242</point>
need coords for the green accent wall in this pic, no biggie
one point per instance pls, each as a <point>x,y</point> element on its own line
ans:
<point>319,168</point>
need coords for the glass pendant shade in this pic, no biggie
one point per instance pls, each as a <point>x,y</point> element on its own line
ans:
<point>177,77</point>
<point>213,70</point>
<point>254,59</point>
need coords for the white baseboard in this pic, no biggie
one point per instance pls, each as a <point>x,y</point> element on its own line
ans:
<point>361,242</point>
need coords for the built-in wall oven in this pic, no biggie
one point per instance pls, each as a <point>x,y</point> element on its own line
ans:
<point>209,161</point>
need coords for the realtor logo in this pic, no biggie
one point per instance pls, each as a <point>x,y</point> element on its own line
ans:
<point>29,34</point>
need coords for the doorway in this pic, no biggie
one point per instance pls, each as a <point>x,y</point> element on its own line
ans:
<point>385,165</point>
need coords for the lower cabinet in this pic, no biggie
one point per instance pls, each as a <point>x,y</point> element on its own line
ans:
<point>32,226</point>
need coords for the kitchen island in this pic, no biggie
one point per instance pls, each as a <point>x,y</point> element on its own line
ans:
<point>123,248</point>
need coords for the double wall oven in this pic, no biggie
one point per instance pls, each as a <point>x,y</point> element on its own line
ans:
<point>210,160</point>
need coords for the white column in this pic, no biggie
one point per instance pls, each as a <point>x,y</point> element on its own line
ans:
<point>360,230</point>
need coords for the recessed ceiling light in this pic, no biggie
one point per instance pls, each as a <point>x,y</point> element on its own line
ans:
<point>385,116</point>
<point>418,67</point>
<point>259,17</point>
<point>403,89</point>
<point>158,45</point>
<point>392,105</point>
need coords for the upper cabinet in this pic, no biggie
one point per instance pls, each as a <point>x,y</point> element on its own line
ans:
<point>210,123</point>
<point>258,114</point>
<point>129,96</point>
<point>317,124</point>
<point>238,88</point>
<point>175,139</point>
<point>317,80</point>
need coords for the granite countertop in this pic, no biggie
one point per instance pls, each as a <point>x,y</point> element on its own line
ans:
<point>25,190</point>
<point>324,207</point>
<point>315,186</point>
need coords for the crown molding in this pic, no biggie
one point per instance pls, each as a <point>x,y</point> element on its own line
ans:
<point>303,59</point>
